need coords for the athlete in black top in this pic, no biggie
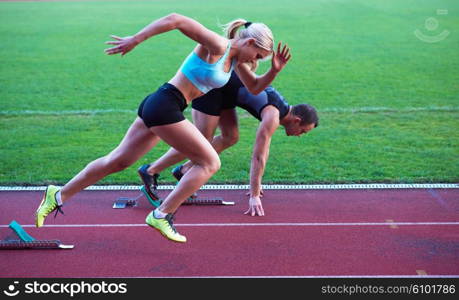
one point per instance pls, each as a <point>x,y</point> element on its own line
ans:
<point>234,93</point>
<point>217,108</point>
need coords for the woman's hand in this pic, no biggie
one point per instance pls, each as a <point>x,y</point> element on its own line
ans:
<point>122,45</point>
<point>255,207</point>
<point>280,58</point>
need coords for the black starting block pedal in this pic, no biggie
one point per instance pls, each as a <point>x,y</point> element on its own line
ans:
<point>26,241</point>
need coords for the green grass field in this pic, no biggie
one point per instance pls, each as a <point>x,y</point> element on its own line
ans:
<point>388,101</point>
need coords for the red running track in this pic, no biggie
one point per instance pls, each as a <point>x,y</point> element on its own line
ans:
<point>399,232</point>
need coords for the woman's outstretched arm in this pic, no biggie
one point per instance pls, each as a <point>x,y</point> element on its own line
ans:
<point>215,43</point>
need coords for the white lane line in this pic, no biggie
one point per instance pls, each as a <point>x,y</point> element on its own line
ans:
<point>250,224</point>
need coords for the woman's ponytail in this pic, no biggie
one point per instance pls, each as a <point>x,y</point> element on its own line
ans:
<point>230,29</point>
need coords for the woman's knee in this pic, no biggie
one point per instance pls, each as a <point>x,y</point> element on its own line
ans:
<point>230,139</point>
<point>211,164</point>
<point>215,164</point>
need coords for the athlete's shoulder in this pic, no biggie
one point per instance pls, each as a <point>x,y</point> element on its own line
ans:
<point>274,94</point>
<point>270,114</point>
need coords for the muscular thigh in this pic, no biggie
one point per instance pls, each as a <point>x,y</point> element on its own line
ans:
<point>228,122</point>
<point>187,139</point>
<point>137,141</point>
<point>206,124</point>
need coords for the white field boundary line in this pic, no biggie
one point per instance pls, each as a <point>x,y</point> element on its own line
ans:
<point>265,187</point>
<point>365,109</point>
<point>342,224</point>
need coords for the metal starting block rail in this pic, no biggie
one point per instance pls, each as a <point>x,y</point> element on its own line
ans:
<point>123,202</point>
<point>26,241</point>
<point>39,244</point>
<point>207,201</point>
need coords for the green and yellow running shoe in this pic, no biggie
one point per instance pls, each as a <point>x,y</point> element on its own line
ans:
<point>166,227</point>
<point>48,204</point>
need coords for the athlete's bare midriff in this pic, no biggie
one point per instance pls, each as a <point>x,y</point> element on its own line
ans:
<point>188,90</point>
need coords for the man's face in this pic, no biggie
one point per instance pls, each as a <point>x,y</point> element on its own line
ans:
<point>295,129</point>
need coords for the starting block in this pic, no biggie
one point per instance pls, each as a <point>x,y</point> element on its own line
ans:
<point>123,202</point>
<point>207,201</point>
<point>26,241</point>
<point>190,201</point>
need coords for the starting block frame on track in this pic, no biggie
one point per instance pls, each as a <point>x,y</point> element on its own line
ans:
<point>26,241</point>
<point>207,201</point>
<point>123,202</point>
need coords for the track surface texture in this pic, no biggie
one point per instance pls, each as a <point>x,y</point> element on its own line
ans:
<point>305,233</point>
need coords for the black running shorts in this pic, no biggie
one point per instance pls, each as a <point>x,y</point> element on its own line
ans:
<point>165,106</point>
<point>215,101</point>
